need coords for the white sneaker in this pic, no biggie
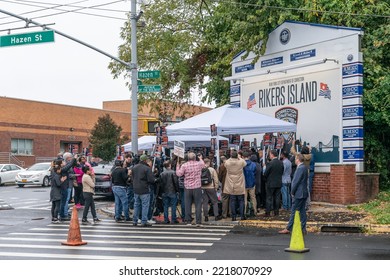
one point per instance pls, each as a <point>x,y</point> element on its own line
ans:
<point>139,221</point>
<point>151,221</point>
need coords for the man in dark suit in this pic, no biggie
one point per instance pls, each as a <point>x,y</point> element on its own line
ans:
<point>273,175</point>
<point>299,193</point>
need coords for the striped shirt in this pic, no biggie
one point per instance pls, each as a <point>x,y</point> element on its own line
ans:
<point>192,172</point>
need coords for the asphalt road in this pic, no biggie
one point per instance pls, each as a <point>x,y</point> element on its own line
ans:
<point>26,233</point>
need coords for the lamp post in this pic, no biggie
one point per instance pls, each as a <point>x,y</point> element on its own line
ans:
<point>134,76</point>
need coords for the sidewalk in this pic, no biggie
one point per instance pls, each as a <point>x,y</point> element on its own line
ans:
<point>320,215</point>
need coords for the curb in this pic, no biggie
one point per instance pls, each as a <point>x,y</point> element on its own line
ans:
<point>316,226</point>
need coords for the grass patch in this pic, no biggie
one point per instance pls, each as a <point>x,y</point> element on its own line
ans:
<point>378,208</point>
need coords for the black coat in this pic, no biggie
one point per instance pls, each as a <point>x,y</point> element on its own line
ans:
<point>273,174</point>
<point>169,182</point>
<point>119,176</point>
<point>142,177</point>
<point>55,192</point>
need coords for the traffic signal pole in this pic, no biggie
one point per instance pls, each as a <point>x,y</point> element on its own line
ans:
<point>134,77</point>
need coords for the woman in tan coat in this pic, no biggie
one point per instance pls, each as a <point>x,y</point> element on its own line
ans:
<point>88,182</point>
<point>235,184</point>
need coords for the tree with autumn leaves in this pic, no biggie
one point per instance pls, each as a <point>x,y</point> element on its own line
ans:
<point>193,43</point>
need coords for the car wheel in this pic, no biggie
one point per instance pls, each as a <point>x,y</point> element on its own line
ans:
<point>20,185</point>
<point>46,181</point>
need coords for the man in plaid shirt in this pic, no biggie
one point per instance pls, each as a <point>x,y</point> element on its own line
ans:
<point>192,172</point>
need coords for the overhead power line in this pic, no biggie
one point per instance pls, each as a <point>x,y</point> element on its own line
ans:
<point>64,11</point>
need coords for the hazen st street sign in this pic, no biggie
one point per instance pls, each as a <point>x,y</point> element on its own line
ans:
<point>27,38</point>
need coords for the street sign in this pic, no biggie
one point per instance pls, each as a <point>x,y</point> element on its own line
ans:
<point>27,38</point>
<point>150,74</point>
<point>149,88</point>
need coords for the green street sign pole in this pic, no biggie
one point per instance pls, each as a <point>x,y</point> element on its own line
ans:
<point>27,38</point>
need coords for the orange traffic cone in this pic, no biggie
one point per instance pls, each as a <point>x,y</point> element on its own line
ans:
<point>74,234</point>
<point>297,244</point>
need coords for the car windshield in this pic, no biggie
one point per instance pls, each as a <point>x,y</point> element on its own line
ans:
<point>40,167</point>
<point>102,169</point>
<point>1,166</point>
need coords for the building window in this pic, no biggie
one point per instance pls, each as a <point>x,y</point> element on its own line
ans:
<point>22,146</point>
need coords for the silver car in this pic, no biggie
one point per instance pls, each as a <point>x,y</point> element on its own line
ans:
<point>8,173</point>
<point>38,174</point>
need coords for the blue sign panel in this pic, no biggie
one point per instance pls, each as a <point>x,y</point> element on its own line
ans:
<point>302,55</point>
<point>353,155</point>
<point>352,91</point>
<point>244,68</point>
<point>352,133</point>
<point>235,90</point>
<point>353,112</point>
<point>272,61</point>
<point>352,69</point>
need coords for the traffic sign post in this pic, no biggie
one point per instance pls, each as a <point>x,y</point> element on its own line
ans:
<point>149,88</point>
<point>150,74</point>
<point>27,38</point>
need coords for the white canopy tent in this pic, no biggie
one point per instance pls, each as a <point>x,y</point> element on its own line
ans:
<point>230,119</point>
<point>194,141</point>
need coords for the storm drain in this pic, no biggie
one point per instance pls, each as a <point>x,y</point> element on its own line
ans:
<point>341,228</point>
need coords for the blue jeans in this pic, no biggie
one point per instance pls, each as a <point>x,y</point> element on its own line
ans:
<point>169,200</point>
<point>141,204</point>
<point>286,197</point>
<point>298,205</point>
<point>65,197</point>
<point>237,201</point>
<point>121,202</point>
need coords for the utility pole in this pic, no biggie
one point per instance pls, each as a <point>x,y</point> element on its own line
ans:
<point>134,78</point>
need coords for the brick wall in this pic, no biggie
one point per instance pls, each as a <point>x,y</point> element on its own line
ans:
<point>344,186</point>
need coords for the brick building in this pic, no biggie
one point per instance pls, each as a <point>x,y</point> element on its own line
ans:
<point>32,131</point>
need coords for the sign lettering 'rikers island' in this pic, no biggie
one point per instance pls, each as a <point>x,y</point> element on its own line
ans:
<point>27,38</point>
<point>294,91</point>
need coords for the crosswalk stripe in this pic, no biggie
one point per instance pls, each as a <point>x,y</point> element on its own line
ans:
<point>120,236</point>
<point>108,241</point>
<point>81,257</point>
<point>130,230</point>
<point>173,228</point>
<point>91,248</point>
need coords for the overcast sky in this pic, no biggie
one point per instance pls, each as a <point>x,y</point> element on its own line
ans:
<point>64,72</point>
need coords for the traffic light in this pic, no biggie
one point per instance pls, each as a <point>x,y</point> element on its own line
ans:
<point>149,126</point>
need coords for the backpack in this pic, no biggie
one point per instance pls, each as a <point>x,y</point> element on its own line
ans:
<point>206,176</point>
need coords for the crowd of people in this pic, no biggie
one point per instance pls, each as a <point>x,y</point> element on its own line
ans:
<point>72,174</point>
<point>245,184</point>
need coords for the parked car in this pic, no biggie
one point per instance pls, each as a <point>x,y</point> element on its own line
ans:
<point>8,173</point>
<point>103,184</point>
<point>37,174</point>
